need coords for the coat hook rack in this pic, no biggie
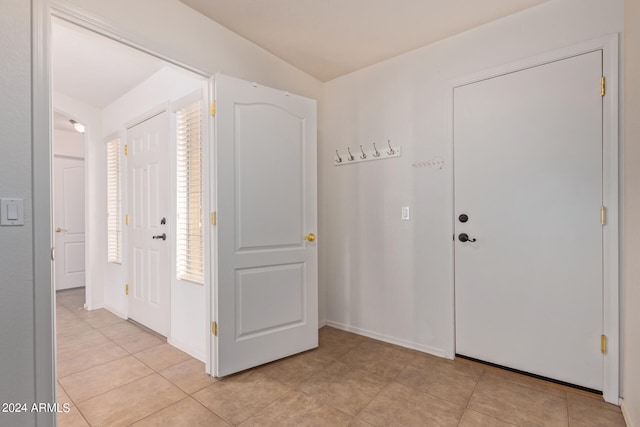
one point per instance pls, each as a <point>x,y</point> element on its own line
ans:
<point>367,155</point>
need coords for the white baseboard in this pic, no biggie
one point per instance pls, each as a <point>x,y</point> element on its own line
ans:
<point>625,414</point>
<point>187,349</point>
<point>115,311</point>
<point>389,339</point>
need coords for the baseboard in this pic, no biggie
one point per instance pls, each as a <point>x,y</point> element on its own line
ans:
<point>625,414</point>
<point>115,311</point>
<point>388,339</point>
<point>187,349</point>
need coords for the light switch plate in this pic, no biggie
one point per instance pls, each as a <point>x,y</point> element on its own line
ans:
<point>405,213</point>
<point>11,211</point>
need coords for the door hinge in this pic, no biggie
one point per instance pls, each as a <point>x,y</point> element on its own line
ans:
<point>603,344</point>
<point>214,328</point>
<point>602,85</point>
<point>53,254</point>
<point>126,150</point>
<point>603,215</point>
<point>126,289</point>
<point>126,219</point>
<point>212,108</point>
<point>213,218</point>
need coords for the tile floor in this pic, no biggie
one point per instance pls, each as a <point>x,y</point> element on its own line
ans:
<point>115,373</point>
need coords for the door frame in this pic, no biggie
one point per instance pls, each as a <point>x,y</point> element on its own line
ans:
<point>86,136</point>
<point>610,62</point>
<point>43,12</point>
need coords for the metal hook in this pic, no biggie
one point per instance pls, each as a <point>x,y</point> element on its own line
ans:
<point>339,160</point>
<point>363,156</point>
<point>351,158</point>
<point>391,150</point>
<point>377,153</point>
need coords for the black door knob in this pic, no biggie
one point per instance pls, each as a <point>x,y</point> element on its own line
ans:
<point>464,237</point>
<point>463,218</point>
<point>162,236</point>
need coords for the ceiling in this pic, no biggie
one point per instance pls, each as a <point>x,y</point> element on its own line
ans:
<point>61,122</point>
<point>325,38</point>
<point>94,69</point>
<point>329,38</point>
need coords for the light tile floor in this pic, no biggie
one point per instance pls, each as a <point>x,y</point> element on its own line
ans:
<point>115,373</point>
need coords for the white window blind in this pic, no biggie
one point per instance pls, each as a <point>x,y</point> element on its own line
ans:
<point>189,232</point>
<point>114,202</point>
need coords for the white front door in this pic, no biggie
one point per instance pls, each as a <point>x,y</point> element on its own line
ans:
<point>148,230</point>
<point>69,222</point>
<point>265,297</point>
<point>528,178</point>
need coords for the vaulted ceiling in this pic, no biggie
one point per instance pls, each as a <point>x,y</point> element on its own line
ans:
<point>329,38</point>
<point>325,38</point>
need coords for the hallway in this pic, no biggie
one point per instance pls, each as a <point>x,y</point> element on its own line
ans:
<point>115,373</point>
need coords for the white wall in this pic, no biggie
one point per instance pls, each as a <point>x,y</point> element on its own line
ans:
<point>389,278</point>
<point>68,143</point>
<point>17,332</point>
<point>188,309</point>
<point>198,42</point>
<point>631,230</point>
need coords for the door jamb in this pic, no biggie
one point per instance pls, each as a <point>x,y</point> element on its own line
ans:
<point>610,129</point>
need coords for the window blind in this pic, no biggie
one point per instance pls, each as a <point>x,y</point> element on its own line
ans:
<point>114,203</point>
<point>189,227</point>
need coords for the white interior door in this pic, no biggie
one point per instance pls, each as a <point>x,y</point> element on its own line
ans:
<point>148,229</point>
<point>69,222</point>
<point>265,298</point>
<point>528,175</point>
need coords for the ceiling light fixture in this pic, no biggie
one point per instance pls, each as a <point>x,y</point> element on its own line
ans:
<point>77,126</point>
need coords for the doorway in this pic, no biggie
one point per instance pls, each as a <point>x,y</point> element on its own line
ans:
<point>92,84</point>
<point>534,216</point>
<point>68,204</point>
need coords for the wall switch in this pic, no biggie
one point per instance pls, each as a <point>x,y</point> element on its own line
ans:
<point>11,211</point>
<point>405,213</point>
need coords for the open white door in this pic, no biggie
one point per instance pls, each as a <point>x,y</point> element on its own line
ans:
<point>265,296</point>
<point>148,229</point>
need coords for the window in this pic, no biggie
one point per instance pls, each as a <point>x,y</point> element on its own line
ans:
<point>114,203</point>
<point>189,230</point>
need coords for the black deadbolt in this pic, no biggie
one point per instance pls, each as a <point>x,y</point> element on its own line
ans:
<point>163,221</point>
<point>463,218</point>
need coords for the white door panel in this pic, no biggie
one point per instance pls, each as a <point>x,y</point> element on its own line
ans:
<point>69,222</point>
<point>275,217</point>
<point>265,297</point>
<point>147,169</point>
<point>528,173</point>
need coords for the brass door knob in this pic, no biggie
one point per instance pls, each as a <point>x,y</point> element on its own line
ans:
<point>58,229</point>
<point>310,237</point>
